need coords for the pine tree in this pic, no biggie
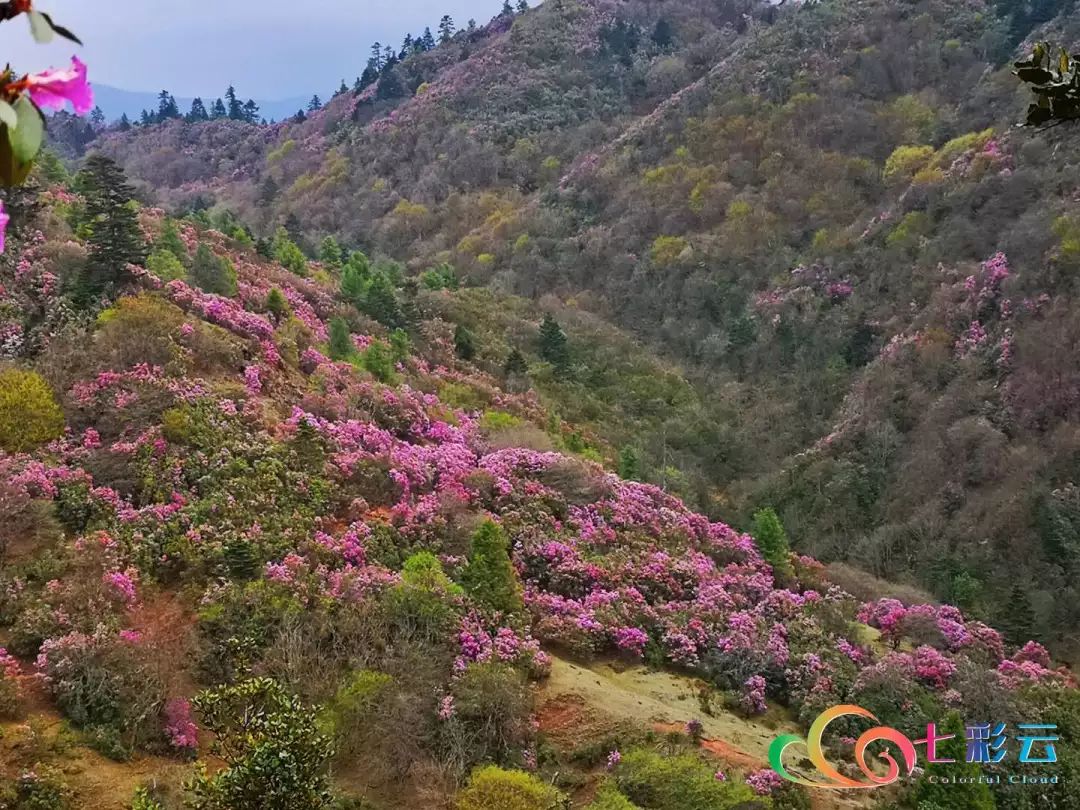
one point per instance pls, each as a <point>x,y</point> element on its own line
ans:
<point>629,464</point>
<point>380,303</point>
<point>390,86</point>
<point>198,111</point>
<point>464,343</point>
<point>507,10</point>
<point>97,118</point>
<point>515,365</point>
<point>355,278</point>
<point>522,6</point>
<point>378,361</point>
<point>489,577</point>
<point>1018,617</point>
<point>314,104</point>
<point>406,46</point>
<point>170,240</point>
<point>218,110</point>
<point>125,123</point>
<point>341,344</point>
<point>342,89</point>
<point>212,273</point>
<point>115,238</point>
<point>772,541</point>
<point>428,40</point>
<point>251,111</point>
<point>235,110</point>
<point>376,59</point>
<point>330,252</point>
<point>277,305</point>
<point>167,107</point>
<point>553,344</point>
<point>446,29</point>
<point>662,35</point>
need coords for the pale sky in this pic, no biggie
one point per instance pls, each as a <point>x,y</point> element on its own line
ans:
<point>198,48</point>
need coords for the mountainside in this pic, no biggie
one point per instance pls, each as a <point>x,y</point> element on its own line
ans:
<point>552,421</point>
<point>822,212</point>
<point>220,475</point>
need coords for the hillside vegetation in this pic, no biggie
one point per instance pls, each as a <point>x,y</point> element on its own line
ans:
<point>820,214</point>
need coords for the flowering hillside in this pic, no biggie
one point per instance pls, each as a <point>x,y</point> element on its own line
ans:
<point>202,512</point>
<point>820,215</point>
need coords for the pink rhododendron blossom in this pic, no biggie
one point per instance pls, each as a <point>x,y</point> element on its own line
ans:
<point>52,88</point>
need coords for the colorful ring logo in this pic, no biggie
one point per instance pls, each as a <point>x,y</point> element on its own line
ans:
<point>835,779</point>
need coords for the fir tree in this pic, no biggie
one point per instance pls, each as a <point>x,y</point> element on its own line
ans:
<point>212,273</point>
<point>380,302</point>
<point>355,278</point>
<point>378,361</point>
<point>170,240</point>
<point>406,46</point>
<point>662,35</point>
<point>341,344</point>
<point>489,576</point>
<point>1018,617</point>
<point>314,104</point>
<point>97,118</point>
<point>115,239</point>
<point>330,252</point>
<point>507,10</point>
<point>772,541</point>
<point>515,365</point>
<point>167,107</point>
<point>198,111</point>
<point>251,112</point>
<point>235,110</point>
<point>376,59</point>
<point>446,29</point>
<point>218,110</point>
<point>464,343</point>
<point>390,86</point>
<point>553,344</point>
<point>629,464</point>
<point>522,6</point>
<point>428,40</point>
<point>125,123</point>
<point>277,305</point>
<point>342,89</point>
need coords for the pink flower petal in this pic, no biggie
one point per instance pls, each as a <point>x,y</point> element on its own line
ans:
<point>51,88</point>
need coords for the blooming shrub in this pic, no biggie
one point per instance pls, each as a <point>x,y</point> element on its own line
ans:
<point>10,692</point>
<point>492,788</point>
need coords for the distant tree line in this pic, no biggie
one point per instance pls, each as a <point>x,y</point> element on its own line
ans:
<point>230,107</point>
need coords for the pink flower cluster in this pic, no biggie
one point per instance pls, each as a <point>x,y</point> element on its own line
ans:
<point>181,730</point>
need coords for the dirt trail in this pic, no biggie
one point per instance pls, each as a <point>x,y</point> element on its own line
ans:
<point>578,703</point>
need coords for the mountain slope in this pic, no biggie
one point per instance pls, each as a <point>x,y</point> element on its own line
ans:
<point>790,202</point>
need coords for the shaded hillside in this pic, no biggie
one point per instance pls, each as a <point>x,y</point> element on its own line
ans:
<point>803,206</point>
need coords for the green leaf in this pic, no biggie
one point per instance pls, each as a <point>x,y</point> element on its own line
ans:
<point>40,28</point>
<point>12,171</point>
<point>27,137</point>
<point>8,115</point>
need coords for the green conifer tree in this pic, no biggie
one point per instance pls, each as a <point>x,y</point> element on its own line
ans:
<point>341,344</point>
<point>629,464</point>
<point>489,577</point>
<point>464,343</point>
<point>277,305</point>
<point>772,541</point>
<point>553,344</point>
<point>330,252</point>
<point>114,238</point>
<point>212,273</point>
<point>170,240</point>
<point>516,365</point>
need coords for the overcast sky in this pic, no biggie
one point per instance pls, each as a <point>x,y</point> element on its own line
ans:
<point>199,48</point>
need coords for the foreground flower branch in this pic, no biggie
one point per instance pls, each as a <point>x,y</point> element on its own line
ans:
<point>22,122</point>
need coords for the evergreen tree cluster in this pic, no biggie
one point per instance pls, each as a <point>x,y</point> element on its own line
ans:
<point>230,107</point>
<point>383,58</point>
